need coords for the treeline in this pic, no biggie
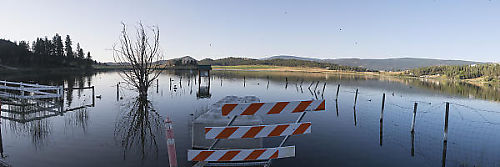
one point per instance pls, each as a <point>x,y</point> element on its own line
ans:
<point>491,71</point>
<point>44,53</point>
<point>232,61</point>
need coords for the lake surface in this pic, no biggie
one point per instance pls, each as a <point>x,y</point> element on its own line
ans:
<point>112,133</point>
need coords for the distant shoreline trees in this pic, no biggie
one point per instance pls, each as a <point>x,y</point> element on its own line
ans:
<point>234,61</point>
<point>44,53</point>
<point>492,71</point>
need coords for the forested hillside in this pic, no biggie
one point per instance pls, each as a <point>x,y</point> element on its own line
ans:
<point>44,53</point>
<point>232,61</point>
<point>491,71</point>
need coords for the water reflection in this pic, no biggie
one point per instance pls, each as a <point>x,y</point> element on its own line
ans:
<point>485,91</point>
<point>29,117</point>
<point>138,126</point>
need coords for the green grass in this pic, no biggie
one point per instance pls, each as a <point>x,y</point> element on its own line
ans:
<point>247,67</point>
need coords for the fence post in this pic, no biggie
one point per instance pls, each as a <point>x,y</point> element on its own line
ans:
<point>446,121</point>
<point>324,86</point>
<point>445,140</point>
<point>356,98</point>
<point>338,89</point>
<point>383,106</point>
<point>93,96</point>
<point>414,117</point>
<point>117,91</point>
<point>286,83</point>
<point>337,107</point>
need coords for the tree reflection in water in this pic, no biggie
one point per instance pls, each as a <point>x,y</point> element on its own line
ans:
<point>137,128</point>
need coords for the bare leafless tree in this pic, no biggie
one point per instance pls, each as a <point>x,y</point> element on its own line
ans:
<point>140,53</point>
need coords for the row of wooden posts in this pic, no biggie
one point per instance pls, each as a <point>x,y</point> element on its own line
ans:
<point>413,123</point>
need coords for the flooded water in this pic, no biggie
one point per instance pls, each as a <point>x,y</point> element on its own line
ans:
<point>118,129</point>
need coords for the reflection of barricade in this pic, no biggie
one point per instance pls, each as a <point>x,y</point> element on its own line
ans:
<point>243,156</point>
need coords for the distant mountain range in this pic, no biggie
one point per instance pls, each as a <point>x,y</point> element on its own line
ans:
<point>389,64</point>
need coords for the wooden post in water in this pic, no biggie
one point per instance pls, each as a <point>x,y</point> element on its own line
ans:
<point>157,85</point>
<point>286,81</point>
<point>323,92</point>
<point>337,107</point>
<point>445,140</point>
<point>383,106</point>
<point>338,89</point>
<point>244,81</point>
<point>412,151</point>
<point>381,132</point>
<point>414,117</point>
<point>446,121</point>
<point>356,98</point>
<point>267,82</point>
<point>93,96</point>
<point>170,79</point>
<point>117,91</point>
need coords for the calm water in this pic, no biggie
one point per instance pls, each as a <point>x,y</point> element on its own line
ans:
<point>112,133</point>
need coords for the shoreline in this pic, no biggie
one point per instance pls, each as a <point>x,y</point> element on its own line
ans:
<point>257,68</point>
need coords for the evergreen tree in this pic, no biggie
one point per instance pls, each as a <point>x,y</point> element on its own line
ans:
<point>59,48</point>
<point>68,48</point>
<point>79,51</point>
<point>88,56</point>
<point>24,45</point>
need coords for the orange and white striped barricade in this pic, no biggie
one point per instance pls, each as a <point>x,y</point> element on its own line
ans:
<point>259,131</point>
<point>241,154</point>
<point>272,108</point>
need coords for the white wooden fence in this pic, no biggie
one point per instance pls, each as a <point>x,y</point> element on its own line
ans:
<point>29,91</point>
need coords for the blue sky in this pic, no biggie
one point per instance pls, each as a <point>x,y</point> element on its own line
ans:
<point>445,29</point>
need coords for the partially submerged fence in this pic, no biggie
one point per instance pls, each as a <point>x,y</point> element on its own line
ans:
<point>29,91</point>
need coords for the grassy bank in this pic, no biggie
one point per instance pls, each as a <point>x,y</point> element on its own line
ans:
<point>481,81</point>
<point>287,69</point>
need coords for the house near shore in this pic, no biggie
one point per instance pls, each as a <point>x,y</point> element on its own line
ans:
<point>183,61</point>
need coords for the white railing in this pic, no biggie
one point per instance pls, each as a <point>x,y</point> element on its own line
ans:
<point>35,91</point>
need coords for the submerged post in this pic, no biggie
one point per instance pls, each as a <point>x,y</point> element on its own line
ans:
<point>414,117</point>
<point>446,121</point>
<point>338,89</point>
<point>157,85</point>
<point>383,106</point>
<point>356,98</point>
<point>337,107</point>
<point>412,151</point>
<point>244,81</point>
<point>286,82</point>
<point>118,91</point>
<point>323,92</point>
<point>93,96</point>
